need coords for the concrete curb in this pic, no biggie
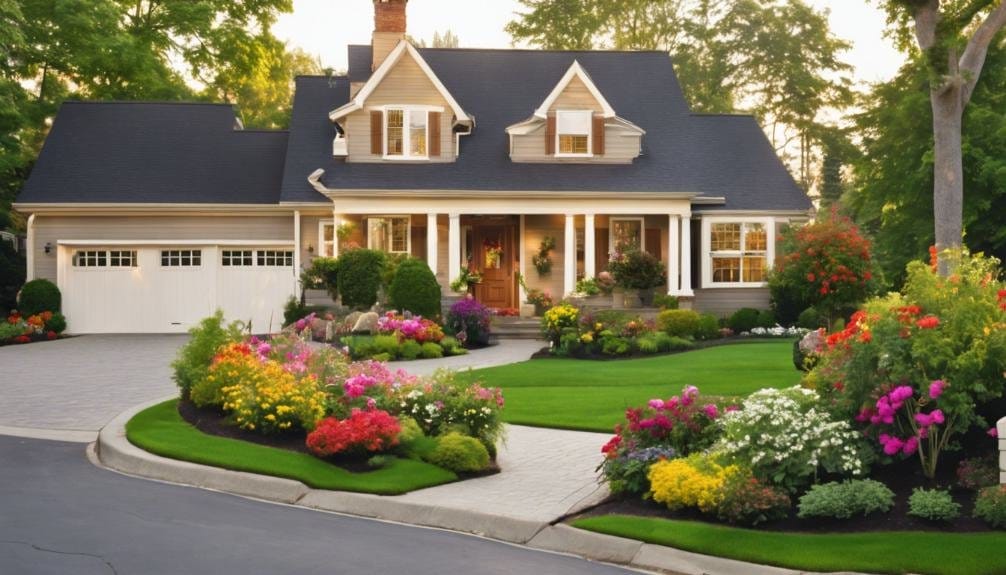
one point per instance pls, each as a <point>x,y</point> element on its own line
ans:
<point>114,451</point>
<point>70,435</point>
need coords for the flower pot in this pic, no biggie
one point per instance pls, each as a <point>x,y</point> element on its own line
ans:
<point>618,298</point>
<point>631,299</point>
<point>539,309</point>
<point>527,310</point>
<point>646,297</point>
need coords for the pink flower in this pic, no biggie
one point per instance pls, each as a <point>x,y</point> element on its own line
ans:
<point>901,393</point>
<point>923,420</point>
<point>910,446</point>
<point>711,411</point>
<point>657,404</point>
<point>937,416</point>
<point>936,388</point>
<point>993,432</point>
<point>893,446</point>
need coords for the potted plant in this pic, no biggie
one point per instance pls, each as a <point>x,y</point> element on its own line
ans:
<point>542,300</point>
<point>466,279</point>
<point>637,272</point>
<point>543,260</point>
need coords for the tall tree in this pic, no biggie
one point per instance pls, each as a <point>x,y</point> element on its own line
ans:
<point>954,36</point>
<point>777,58</point>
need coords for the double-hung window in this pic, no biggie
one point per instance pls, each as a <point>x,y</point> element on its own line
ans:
<point>738,253</point>
<point>626,235</point>
<point>406,133</point>
<point>389,234</point>
<point>573,132</point>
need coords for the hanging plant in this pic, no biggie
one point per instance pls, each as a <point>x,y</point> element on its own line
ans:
<point>543,260</point>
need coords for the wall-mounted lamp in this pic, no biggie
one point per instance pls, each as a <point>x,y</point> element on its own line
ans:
<point>48,248</point>
<point>310,249</point>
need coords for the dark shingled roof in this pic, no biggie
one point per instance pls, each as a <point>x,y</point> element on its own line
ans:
<point>137,152</point>
<point>716,156</point>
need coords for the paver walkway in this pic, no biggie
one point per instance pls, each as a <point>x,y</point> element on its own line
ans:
<point>80,383</point>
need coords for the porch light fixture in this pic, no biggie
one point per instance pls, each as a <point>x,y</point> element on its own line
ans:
<point>310,249</point>
<point>48,248</point>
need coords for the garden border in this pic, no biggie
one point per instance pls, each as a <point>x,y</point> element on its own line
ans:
<point>113,451</point>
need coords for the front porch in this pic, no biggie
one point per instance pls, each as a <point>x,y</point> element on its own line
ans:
<point>499,238</point>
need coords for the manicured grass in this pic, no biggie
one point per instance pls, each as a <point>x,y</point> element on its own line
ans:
<point>161,430</point>
<point>930,553</point>
<point>593,395</point>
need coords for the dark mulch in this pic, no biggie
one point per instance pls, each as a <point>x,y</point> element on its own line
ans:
<point>544,353</point>
<point>901,478</point>
<point>215,422</point>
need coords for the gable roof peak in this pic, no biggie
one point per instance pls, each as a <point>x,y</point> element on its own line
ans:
<point>404,47</point>
<point>575,71</point>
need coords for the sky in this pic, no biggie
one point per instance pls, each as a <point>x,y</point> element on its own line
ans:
<point>325,27</point>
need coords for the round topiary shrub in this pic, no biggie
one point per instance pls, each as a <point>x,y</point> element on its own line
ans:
<point>56,323</point>
<point>359,277</point>
<point>432,350</point>
<point>38,296</point>
<point>459,453</point>
<point>810,318</point>
<point>709,327</point>
<point>744,319</point>
<point>415,289</point>
<point>679,322</point>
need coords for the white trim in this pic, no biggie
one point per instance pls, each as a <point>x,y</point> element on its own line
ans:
<point>298,245</point>
<point>453,247</point>
<point>706,252</point>
<point>259,243</point>
<point>686,256</point>
<point>589,246</point>
<point>590,134</point>
<point>406,132</point>
<point>611,231</point>
<point>673,254</point>
<point>29,245</point>
<point>391,240</point>
<point>569,256</point>
<point>575,71</point>
<point>378,76</point>
<point>431,242</point>
<point>322,251</point>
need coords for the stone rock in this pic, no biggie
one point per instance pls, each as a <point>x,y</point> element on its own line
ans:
<point>366,323</point>
<point>349,322</point>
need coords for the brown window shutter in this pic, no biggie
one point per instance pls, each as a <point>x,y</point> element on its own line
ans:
<point>377,132</point>
<point>598,135</point>
<point>550,135</point>
<point>434,133</point>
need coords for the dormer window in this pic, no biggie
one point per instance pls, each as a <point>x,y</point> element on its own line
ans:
<point>407,136</point>
<point>573,132</point>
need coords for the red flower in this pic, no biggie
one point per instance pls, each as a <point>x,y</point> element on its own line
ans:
<point>928,322</point>
<point>51,335</point>
<point>811,277</point>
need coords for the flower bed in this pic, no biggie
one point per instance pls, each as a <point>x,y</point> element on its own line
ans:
<point>341,411</point>
<point>403,337</point>
<point>43,326</point>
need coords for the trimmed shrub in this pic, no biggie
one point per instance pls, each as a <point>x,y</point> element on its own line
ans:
<point>846,499</point>
<point>56,323</point>
<point>38,296</point>
<point>459,453</point>
<point>810,318</point>
<point>934,505</point>
<point>387,344</point>
<point>363,432</point>
<point>679,322</point>
<point>452,346</point>
<point>193,361</point>
<point>744,319</point>
<point>747,501</point>
<point>709,327</point>
<point>359,277</point>
<point>323,274</point>
<point>431,350</point>
<point>990,506</point>
<point>411,349</point>
<point>665,301</point>
<point>415,289</point>
<point>696,481</point>
<point>766,318</point>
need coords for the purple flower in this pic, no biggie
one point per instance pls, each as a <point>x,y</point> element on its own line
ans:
<point>936,388</point>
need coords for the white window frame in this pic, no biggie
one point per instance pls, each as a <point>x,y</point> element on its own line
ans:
<point>407,111</point>
<point>273,258</point>
<point>192,255</point>
<point>228,255</point>
<point>326,249</point>
<point>707,254</point>
<point>98,253</point>
<point>408,232</point>
<point>611,231</point>
<point>590,134</point>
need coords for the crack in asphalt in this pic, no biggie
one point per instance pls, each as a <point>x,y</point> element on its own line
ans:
<point>58,552</point>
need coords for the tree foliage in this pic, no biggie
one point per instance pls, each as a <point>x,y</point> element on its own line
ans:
<point>776,58</point>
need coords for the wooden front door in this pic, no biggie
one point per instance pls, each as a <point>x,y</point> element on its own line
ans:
<point>494,255</point>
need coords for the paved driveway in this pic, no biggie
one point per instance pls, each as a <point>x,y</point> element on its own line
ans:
<point>80,383</point>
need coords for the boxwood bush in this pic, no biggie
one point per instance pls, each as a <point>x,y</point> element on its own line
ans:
<point>415,289</point>
<point>933,504</point>
<point>846,499</point>
<point>679,322</point>
<point>38,296</point>
<point>744,319</point>
<point>359,277</point>
<point>458,452</point>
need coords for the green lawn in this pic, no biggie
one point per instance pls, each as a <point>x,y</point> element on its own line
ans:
<point>930,553</point>
<point>161,430</point>
<point>593,395</point>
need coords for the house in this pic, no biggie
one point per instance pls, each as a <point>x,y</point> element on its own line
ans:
<point>150,215</point>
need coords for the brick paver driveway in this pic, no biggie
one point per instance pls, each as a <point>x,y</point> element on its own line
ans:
<point>80,383</point>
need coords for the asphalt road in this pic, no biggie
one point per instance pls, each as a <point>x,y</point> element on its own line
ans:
<point>61,515</point>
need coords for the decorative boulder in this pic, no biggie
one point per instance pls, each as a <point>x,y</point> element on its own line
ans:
<point>367,323</point>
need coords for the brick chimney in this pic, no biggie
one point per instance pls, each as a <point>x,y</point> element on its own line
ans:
<point>389,28</point>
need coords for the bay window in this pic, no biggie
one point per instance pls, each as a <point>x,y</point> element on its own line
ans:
<point>389,234</point>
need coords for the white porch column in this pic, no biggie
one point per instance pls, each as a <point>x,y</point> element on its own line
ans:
<point>686,256</point>
<point>673,255</point>
<point>29,249</point>
<point>296,243</point>
<point>589,251</point>
<point>569,258</point>
<point>453,247</point>
<point>431,242</point>
<point>336,225</point>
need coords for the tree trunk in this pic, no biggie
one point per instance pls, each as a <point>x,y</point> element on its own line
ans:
<point>948,167</point>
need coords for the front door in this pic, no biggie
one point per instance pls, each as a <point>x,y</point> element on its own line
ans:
<point>493,247</point>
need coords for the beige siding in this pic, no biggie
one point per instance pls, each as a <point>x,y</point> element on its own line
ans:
<point>443,253</point>
<point>621,146</point>
<point>309,237</point>
<point>576,96</point>
<point>406,84</point>
<point>535,230</point>
<point>52,229</point>
<point>724,301</point>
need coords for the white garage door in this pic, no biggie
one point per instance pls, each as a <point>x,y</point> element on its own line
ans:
<point>168,289</point>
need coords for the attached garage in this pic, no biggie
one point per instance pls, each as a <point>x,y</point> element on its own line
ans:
<point>121,287</point>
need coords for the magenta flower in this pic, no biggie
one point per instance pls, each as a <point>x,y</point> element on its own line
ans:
<point>911,446</point>
<point>936,388</point>
<point>937,416</point>
<point>657,404</point>
<point>923,420</point>
<point>711,411</point>
<point>993,432</point>
<point>893,446</point>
